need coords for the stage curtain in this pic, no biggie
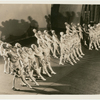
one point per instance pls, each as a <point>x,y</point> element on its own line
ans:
<point>90,14</point>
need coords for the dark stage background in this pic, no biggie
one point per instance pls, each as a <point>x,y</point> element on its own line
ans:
<point>61,13</point>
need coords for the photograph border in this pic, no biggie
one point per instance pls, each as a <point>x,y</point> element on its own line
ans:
<point>48,97</point>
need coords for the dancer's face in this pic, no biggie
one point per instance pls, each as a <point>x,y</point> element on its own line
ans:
<point>17,45</point>
<point>29,51</point>
<point>34,47</point>
<point>34,30</point>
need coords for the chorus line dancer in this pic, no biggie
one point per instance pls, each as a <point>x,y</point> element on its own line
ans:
<point>26,65</point>
<point>39,54</point>
<point>5,47</point>
<point>34,62</point>
<point>0,47</point>
<point>46,40</point>
<point>14,59</point>
<point>85,35</point>
<point>73,47</point>
<point>61,48</point>
<point>79,49</point>
<point>80,31</point>
<point>46,53</point>
<point>98,31</point>
<point>56,43</point>
<point>68,30</point>
<point>65,50</point>
<point>92,39</point>
<point>96,37</point>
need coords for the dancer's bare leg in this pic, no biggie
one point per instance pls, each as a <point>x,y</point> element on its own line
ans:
<point>73,58</point>
<point>14,82</point>
<point>50,68</point>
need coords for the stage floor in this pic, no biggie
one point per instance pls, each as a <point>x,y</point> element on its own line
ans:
<point>82,78</point>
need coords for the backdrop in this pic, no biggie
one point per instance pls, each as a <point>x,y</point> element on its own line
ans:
<point>18,20</point>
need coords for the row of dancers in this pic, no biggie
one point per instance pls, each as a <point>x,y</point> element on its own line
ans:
<point>70,45</point>
<point>23,62</point>
<point>90,37</point>
<point>94,36</point>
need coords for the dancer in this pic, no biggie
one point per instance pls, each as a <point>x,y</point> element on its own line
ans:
<point>39,53</point>
<point>56,43</point>
<point>26,65</point>
<point>34,62</point>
